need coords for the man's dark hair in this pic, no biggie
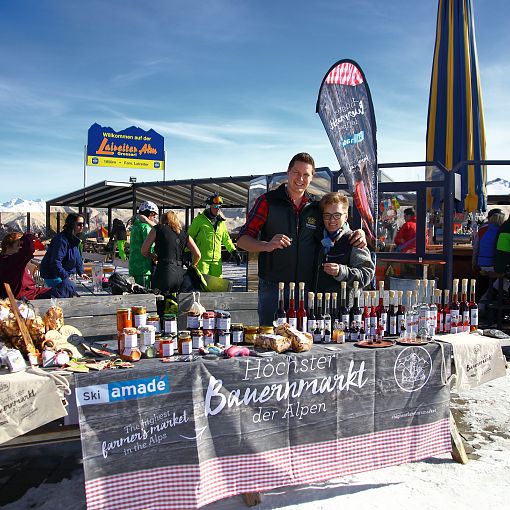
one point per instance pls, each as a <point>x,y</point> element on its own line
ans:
<point>409,212</point>
<point>304,157</point>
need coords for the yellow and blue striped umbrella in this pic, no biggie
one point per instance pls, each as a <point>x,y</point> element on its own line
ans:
<point>455,126</point>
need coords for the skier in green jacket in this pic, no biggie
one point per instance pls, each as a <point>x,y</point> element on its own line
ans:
<point>209,231</point>
<point>140,267</point>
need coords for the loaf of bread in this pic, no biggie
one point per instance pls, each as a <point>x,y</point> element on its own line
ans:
<point>277,343</point>
<point>300,342</point>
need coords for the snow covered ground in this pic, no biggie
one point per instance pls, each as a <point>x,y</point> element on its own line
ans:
<point>435,483</point>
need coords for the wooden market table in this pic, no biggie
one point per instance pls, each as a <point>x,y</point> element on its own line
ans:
<point>216,428</point>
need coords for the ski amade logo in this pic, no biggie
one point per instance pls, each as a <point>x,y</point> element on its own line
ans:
<point>123,390</point>
<point>412,369</point>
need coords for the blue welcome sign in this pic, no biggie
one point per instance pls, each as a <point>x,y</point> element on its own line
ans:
<point>131,148</point>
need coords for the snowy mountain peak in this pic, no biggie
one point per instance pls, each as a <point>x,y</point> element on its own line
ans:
<point>498,186</point>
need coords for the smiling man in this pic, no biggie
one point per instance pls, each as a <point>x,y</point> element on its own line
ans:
<point>282,227</point>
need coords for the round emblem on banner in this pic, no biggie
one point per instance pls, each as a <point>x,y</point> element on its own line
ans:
<point>95,161</point>
<point>156,164</point>
<point>412,369</point>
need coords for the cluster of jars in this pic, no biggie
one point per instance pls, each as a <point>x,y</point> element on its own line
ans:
<point>140,334</point>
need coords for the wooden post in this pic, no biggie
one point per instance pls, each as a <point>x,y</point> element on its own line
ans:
<point>252,498</point>
<point>458,451</point>
<point>27,340</point>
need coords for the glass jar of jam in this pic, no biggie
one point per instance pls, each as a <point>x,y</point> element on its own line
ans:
<point>130,337</point>
<point>251,334</point>
<point>124,319</point>
<point>153,320</point>
<point>209,320</point>
<point>208,337</point>
<point>237,333</point>
<point>197,338</point>
<point>139,316</point>
<point>184,343</point>
<point>266,330</point>
<point>222,320</point>
<point>224,338</point>
<point>193,320</point>
<point>166,346</point>
<point>147,335</point>
<point>170,324</point>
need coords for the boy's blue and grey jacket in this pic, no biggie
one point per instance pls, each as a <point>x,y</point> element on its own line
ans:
<point>355,265</point>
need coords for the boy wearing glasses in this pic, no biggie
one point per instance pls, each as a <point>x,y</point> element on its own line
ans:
<point>337,259</point>
<point>209,231</point>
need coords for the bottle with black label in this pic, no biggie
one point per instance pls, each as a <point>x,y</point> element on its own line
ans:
<point>281,315</point>
<point>356,313</point>
<point>319,318</point>
<point>343,311</point>
<point>311,320</point>
<point>291,310</point>
<point>392,315</point>
<point>473,307</point>
<point>327,319</point>
<point>301,313</point>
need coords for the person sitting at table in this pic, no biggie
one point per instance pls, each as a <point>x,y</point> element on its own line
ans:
<point>17,251</point>
<point>140,267</point>
<point>170,240</point>
<point>405,240</point>
<point>337,260</point>
<point>119,236</point>
<point>63,257</point>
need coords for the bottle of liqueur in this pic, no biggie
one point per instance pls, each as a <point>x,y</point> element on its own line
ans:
<point>281,315</point>
<point>447,315</point>
<point>327,319</point>
<point>392,315</point>
<point>433,311</point>
<point>432,308</point>
<point>440,316</point>
<point>366,311</point>
<point>356,313</point>
<point>418,290</point>
<point>373,316</point>
<point>311,321</point>
<point>334,308</point>
<point>454,305</point>
<point>423,307</point>
<point>291,310</point>
<point>343,311</point>
<point>473,307</point>
<point>354,331</point>
<point>384,313</point>
<point>347,332</point>
<point>362,334</point>
<point>380,306</point>
<point>454,328</point>
<point>409,314</point>
<point>301,313</point>
<point>318,333</point>
<point>403,331</point>
<point>464,305</point>
<point>401,309</point>
<point>414,318</point>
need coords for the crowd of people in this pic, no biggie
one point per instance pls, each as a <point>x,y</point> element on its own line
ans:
<point>297,236</point>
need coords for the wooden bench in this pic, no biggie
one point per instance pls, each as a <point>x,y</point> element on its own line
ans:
<point>95,316</point>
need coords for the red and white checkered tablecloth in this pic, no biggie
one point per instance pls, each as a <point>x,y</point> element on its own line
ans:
<point>193,486</point>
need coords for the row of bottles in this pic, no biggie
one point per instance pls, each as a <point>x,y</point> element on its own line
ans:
<point>424,311</point>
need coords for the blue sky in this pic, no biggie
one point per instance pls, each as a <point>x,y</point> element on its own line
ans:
<point>230,84</point>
